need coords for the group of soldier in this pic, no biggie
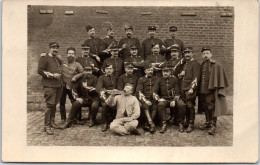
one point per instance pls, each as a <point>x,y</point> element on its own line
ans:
<point>134,84</point>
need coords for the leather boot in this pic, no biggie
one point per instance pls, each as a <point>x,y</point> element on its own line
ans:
<point>48,130</point>
<point>53,125</point>
<point>164,127</point>
<point>105,127</point>
<point>91,122</point>
<point>146,126</point>
<point>190,127</point>
<point>63,113</point>
<point>213,124</point>
<point>207,124</point>
<point>67,124</point>
<point>181,127</point>
<point>152,127</point>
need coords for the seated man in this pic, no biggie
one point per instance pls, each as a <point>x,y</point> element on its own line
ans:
<point>166,92</point>
<point>86,96</point>
<point>144,91</point>
<point>106,82</point>
<point>128,110</point>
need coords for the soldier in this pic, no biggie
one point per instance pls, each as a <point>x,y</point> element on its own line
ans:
<point>107,42</point>
<point>189,76</point>
<point>72,71</point>
<point>86,60</point>
<point>137,61</point>
<point>126,42</point>
<point>128,77</point>
<point>212,90</point>
<point>49,68</point>
<point>166,91</point>
<point>117,62</point>
<point>147,44</point>
<point>94,44</point>
<point>106,82</point>
<point>86,96</point>
<point>144,91</point>
<point>156,60</point>
<point>166,48</point>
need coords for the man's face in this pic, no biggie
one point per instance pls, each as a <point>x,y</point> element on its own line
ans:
<point>91,32</point>
<point>71,55</point>
<point>156,49</point>
<point>109,70</point>
<point>114,53</point>
<point>206,55</point>
<point>133,52</point>
<point>110,32</point>
<point>166,73</point>
<point>174,54</point>
<point>88,72</point>
<point>129,70</point>
<point>54,50</point>
<point>149,72</point>
<point>151,33</point>
<point>129,33</point>
<point>85,51</point>
<point>128,90</point>
<point>188,55</point>
<point>173,33</point>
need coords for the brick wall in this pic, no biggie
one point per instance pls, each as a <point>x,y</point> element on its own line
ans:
<point>207,27</point>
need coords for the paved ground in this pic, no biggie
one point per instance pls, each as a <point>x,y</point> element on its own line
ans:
<point>82,135</point>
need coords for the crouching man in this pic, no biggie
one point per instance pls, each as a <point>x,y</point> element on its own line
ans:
<point>128,110</point>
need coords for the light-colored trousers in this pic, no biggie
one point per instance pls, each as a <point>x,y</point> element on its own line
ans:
<point>121,127</point>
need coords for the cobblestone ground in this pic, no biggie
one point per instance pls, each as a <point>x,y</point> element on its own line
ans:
<point>82,135</point>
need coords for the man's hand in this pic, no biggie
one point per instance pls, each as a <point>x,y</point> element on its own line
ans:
<point>190,91</point>
<point>127,119</point>
<point>148,102</point>
<point>161,99</point>
<point>124,46</point>
<point>56,75</point>
<point>80,100</point>
<point>182,73</point>
<point>97,58</point>
<point>172,104</point>
<point>43,54</point>
<point>73,79</point>
<point>176,98</point>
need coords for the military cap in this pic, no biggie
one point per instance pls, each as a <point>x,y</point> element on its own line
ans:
<point>128,27</point>
<point>85,46</point>
<point>154,44</point>
<point>71,48</point>
<point>147,66</point>
<point>88,67</point>
<point>89,27</point>
<point>106,65</point>
<point>114,47</point>
<point>133,46</point>
<point>188,49</point>
<point>166,66</point>
<point>175,47</point>
<point>129,65</point>
<point>205,48</point>
<point>152,28</point>
<point>53,44</point>
<point>172,28</point>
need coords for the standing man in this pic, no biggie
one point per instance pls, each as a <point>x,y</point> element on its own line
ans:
<point>128,77</point>
<point>128,110</point>
<point>144,91</point>
<point>167,44</point>
<point>117,62</point>
<point>212,91</point>
<point>106,82</point>
<point>156,60</point>
<point>72,71</point>
<point>107,42</point>
<point>189,76</point>
<point>49,68</point>
<point>94,44</point>
<point>167,93</point>
<point>147,44</point>
<point>86,96</point>
<point>125,43</point>
<point>137,61</point>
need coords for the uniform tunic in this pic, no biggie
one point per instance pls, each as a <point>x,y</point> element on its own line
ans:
<point>170,42</point>
<point>145,85</point>
<point>117,63</point>
<point>204,87</point>
<point>106,82</point>
<point>138,63</point>
<point>123,79</point>
<point>156,59</point>
<point>106,43</point>
<point>129,41</point>
<point>86,61</point>
<point>147,46</point>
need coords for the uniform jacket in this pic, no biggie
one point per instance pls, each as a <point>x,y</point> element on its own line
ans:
<point>138,63</point>
<point>106,82</point>
<point>51,64</point>
<point>147,46</point>
<point>117,63</point>
<point>218,82</point>
<point>123,79</point>
<point>170,42</point>
<point>145,85</point>
<point>95,45</point>
<point>86,61</point>
<point>106,43</point>
<point>129,41</point>
<point>71,70</point>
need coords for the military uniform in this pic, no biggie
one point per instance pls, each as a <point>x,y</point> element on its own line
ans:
<point>129,41</point>
<point>118,65</point>
<point>147,46</point>
<point>156,59</point>
<point>48,66</point>
<point>167,89</point>
<point>123,79</point>
<point>138,63</point>
<point>107,42</point>
<point>95,46</point>
<point>106,82</point>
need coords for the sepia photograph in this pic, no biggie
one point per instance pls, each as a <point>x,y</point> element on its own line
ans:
<point>135,76</point>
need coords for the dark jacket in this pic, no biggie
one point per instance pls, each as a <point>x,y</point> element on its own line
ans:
<point>147,46</point>
<point>129,41</point>
<point>145,85</point>
<point>123,79</point>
